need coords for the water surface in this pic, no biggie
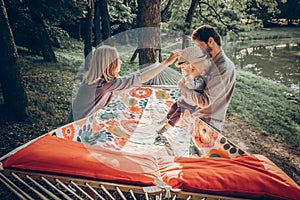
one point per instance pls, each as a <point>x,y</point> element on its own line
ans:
<point>280,62</point>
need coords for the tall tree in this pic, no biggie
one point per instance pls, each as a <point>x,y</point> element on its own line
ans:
<point>11,83</point>
<point>188,22</point>
<point>87,38</point>
<point>149,39</point>
<point>97,23</point>
<point>105,22</point>
<point>165,13</point>
<point>41,31</point>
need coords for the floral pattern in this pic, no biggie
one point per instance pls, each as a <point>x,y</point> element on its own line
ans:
<point>135,109</point>
<point>97,126</point>
<point>141,92</point>
<point>117,131</point>
<point>112,122</point>
<point>114,126</point>
<point>130,125</point>
<point>68,132</point>
<point>114,106</point>
<point>107,116</point>
<point>130,101</point>
<point>162,95</point>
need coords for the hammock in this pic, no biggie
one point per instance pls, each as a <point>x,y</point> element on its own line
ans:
<point>111,155</point>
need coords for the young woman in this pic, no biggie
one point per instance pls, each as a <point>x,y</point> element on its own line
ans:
<point>103,80</point>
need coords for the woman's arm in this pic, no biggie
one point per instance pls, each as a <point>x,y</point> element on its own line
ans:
<point>150,72</point>
<point>141,76</point>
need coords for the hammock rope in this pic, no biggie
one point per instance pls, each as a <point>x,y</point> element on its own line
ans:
<point>121,193</point>
<point>168,76</point>
<point>15,189</point>
<point>95,192</point>
<point>55,188</point>
<point>43,188</point>
<point>81,190</point>
<point>28,186</point>
<point>86,189</point>
<point>107,192</point>
<point>68,189</point>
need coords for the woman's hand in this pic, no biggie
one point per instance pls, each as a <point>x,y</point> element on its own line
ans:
<point>173,56</point>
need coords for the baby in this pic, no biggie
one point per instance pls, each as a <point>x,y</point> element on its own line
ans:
<point>194,64</point>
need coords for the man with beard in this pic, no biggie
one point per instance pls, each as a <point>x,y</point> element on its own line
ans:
<point>220,79</point>
<point>211,103</point>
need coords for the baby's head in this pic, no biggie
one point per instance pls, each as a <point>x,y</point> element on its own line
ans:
<point>198,60</point>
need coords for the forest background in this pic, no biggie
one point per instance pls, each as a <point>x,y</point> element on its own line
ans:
<point>44,43</point>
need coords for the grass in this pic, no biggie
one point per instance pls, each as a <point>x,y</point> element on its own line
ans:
<point>269,106</point>
<point>270,33</point>
<point>264,104</point>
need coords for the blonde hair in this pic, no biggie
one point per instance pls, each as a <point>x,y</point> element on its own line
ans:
<point>103,65</point>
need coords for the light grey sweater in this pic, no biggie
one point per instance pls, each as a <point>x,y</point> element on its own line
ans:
<point>214,101</point>
<point>91,98</point>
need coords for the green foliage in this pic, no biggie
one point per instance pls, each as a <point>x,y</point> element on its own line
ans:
<point>179,12</point>
<point>56,14</point>
<point>261,37</point>
<point>225,15</point>
<point>263,10</point>
<point>61,11</point>
<point>290,9</point>
<point>122,17</point>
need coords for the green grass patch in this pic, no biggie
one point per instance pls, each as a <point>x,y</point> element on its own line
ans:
<point>270,33</point>
<point>269,106</point>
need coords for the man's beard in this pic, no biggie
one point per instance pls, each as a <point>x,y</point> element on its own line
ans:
<point>208,49</point>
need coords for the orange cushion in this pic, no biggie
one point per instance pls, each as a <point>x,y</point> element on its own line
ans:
<point>56,155</point>
<point>247,176</point>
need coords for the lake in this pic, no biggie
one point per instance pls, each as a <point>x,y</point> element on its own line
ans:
<point>279,62</point>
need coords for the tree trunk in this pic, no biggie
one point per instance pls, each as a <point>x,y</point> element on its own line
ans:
<point>188,23</point>
<point>165,14</point>
<point>42,35</point>
<point>105,22</point>
<point>88,35</point>
<point>97,23</point>
<point>12,87</point>
<point>149,39</point>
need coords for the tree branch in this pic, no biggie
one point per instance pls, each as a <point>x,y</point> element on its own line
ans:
<point>216,15</point>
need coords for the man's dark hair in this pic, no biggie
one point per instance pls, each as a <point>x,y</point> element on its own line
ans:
<point>203,33</point>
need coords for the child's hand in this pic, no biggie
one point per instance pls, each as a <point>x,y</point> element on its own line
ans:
<point>180,83</point>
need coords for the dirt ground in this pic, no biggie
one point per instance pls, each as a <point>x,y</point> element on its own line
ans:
<point>284,155</point>
<point>247,138</point>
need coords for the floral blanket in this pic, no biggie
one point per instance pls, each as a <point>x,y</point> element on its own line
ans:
<point>129,123</point>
